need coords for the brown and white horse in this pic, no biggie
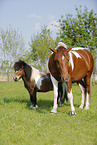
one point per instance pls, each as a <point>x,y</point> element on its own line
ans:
<point>71,65</point>
<point>35,81</point>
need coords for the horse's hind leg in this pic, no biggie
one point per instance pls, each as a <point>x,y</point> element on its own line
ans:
<point>83,96</point>
<point>87,91</point>
<point>82,86</point>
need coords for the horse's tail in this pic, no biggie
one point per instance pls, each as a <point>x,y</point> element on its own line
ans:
<point>90,90</point>
<point>62,93</point>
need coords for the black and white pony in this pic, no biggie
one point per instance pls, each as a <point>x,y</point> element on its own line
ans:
<point>36,81</point>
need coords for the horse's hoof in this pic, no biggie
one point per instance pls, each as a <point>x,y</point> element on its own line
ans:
<point>73,113</point>
<point>53,111</point>
<point>80,107</point>
<point>86,108</point>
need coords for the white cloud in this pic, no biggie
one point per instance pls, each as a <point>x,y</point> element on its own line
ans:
<point>35,16</point>
<point>51,17</point>
<point>52,25</point>
<point>37,26</point>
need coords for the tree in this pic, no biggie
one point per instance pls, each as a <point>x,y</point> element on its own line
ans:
<point>39,48</point>
<point>11,48</point>
<point>80,30</point>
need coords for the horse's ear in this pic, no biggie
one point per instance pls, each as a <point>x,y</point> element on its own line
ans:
<point>70,48</point>
<point>53,50</point>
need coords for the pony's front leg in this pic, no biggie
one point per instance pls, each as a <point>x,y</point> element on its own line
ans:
<point>55,87</point>
<point>70,96</point>
<point>33,100</point>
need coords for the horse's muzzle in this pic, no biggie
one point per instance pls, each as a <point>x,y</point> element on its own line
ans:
<point>65,80</point>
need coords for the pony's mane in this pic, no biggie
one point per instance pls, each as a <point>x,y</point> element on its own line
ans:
<point>26,68</point>
<point>19,64</point>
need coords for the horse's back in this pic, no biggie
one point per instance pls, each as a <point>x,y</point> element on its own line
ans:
<point>83,64</point>
<point>88,58</point>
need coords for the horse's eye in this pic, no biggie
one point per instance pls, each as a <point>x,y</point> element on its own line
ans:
<point>57,61</point>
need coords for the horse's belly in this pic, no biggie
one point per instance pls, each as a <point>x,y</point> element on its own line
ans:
<point>78,75</point>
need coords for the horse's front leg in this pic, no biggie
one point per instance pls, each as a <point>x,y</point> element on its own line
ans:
<point>55,87</point>
<point>70,96</point>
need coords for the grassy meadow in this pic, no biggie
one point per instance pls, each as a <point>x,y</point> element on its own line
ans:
<point>20,125</point>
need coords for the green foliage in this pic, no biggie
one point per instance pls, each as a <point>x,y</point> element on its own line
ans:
<point>39,48</point>
<point>20,125</point>
<point>11,48</point>
<point>80,30</point>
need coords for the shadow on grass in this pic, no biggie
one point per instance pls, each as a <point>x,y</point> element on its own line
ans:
<point>43,105</point>
<point>9,100</point>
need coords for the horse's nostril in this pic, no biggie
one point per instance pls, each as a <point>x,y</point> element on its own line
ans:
<point>62,79</point>
<point>65,80</point>
<point>15,79</point>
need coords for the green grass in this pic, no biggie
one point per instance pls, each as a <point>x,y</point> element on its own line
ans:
<point>21,125</point>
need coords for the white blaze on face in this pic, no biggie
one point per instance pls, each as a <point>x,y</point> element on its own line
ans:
<point>63,57</point>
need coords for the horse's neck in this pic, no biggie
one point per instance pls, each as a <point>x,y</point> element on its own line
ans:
<point>36,74</point>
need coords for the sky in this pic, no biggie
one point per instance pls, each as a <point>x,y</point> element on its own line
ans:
<point>29,15</point>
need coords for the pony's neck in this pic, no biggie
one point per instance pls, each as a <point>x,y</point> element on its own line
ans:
<point>36,74</point>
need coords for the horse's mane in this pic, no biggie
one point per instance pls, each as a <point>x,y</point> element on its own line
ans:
<point>60,47</point>
<point>26,68</point>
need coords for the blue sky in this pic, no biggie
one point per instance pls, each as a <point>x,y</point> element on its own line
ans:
<point>29,15</point>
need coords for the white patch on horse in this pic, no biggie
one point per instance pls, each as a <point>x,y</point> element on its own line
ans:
<point>76,54</point>
<point>73,51</point>
<point>83,96</point>
<point>71,60</point>
<point>87,101</point>
<point>70,96</point>
<point>63,57</point>
<point>61,44</point>
<point>17,71</point>
<point>78,48</point>
<point>36,76</point>
<point>55,86</point>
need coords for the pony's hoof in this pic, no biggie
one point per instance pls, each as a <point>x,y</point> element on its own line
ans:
<point>61,104</point>
<point>73,113</point>
<point>53,111</point>
<point>34,107</point>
